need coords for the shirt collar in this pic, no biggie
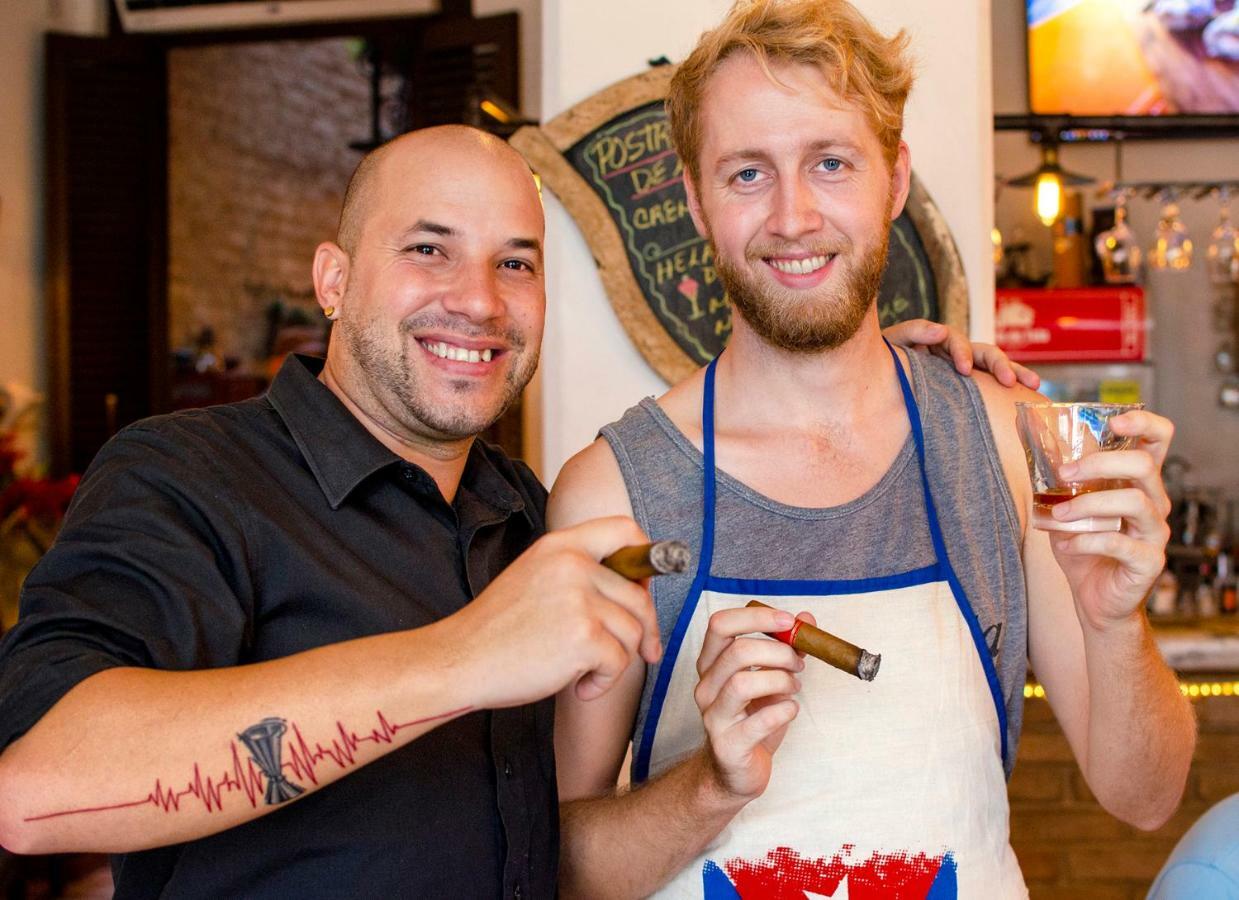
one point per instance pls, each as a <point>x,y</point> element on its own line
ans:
<point>484,479</point>
<point>336,447</point>
<point>342,454</point>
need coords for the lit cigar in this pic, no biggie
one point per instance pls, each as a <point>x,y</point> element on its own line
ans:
<point>829,649</point>
<point>647,560</point>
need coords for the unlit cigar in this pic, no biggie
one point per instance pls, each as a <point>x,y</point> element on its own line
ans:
<point>647,560</point>
<point>828,648</point>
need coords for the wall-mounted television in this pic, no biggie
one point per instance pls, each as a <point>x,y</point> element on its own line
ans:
<point>210,15</point>
<point>1133,57</point>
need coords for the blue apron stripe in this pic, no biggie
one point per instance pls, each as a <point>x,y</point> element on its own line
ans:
<point>790,587</point>
<point>707,452</point>
<point>935,533</point>
<point>642,751</point>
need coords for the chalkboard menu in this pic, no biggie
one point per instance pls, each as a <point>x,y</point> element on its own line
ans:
<point>610,160</point>
<point>629,162</point>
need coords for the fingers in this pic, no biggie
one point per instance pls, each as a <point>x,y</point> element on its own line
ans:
<point>741,655</point>
<point>629,602</point>
<point>1140,561</point>
<point>1137,468</point>
<point>763,723</point>
<point>994,360</point>
<point>611,659</point>
<point>601,537</point>
<point>1155,432</point>
<point>1145,518</point>
<point>728,624</point>
<point>961,351</point>
<point>598,538</point>
<point>1026,376</point>
<point>731,707</point>
<point>916,333</point>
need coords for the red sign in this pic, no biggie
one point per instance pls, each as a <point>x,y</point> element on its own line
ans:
<point>1066,325</point>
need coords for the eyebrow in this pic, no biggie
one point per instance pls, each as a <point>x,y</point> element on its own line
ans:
<point>525,244</point>
<point>425,225</point>
<point>432,227</point>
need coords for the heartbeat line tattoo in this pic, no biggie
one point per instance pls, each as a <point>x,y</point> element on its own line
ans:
<point>262,776</point>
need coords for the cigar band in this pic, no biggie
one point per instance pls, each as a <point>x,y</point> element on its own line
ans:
<point>789,636</point>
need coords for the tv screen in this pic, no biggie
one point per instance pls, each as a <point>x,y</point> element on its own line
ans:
<point>1133,57</point>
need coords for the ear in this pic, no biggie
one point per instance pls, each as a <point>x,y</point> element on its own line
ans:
<point>331,270</point>
<point>901,179</point>
<point>694,204</point>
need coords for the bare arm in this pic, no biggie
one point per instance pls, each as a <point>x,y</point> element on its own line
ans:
<point>619,843</point>
<point>1090,643</point>
<point>136,758</point>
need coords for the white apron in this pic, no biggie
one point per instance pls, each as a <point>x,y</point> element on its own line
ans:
<point>886,789</point>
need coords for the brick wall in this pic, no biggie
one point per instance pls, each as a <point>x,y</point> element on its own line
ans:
<point>1068,846</point>
<point>258,161</point>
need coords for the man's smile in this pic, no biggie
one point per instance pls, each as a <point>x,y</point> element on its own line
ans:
<point>457,353</point>
<point>806,266</point>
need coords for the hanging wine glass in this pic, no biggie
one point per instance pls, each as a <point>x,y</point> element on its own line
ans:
<point>1117,247</point>
<point>1172,248</point>
<point>1223,251</point>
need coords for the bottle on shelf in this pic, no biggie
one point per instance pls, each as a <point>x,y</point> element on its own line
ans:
<point>1228,602</point>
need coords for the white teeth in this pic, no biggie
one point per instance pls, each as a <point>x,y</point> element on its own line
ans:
<point>801,266</point>
<point>444,350</point>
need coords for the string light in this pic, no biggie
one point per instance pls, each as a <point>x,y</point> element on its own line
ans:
<point>1191,689</point>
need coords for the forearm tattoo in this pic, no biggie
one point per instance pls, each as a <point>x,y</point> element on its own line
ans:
<point>279,764</point>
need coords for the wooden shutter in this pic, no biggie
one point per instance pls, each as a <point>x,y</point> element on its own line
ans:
<point>107,221</point>
<point>459,59</point>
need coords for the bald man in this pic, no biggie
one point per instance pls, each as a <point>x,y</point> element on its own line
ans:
<point>303,643</point>
<point>272,653</point>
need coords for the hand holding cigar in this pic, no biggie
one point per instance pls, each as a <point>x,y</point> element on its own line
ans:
<point>823,645</point>
<point>647,560</point>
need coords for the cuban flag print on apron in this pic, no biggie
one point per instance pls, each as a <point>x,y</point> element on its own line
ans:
<point>886,789</point>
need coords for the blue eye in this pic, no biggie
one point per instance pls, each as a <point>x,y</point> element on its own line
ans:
<point>746,175</point>
<point>832,165</point>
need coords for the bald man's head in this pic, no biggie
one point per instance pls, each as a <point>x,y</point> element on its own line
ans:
<point>365,183</point>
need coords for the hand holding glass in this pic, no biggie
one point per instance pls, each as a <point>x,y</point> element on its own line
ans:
<point>1058,433</point>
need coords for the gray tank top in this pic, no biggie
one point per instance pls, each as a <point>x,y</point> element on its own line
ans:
<point>884,531</point>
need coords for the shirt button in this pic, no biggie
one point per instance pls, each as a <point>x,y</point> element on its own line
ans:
<point>407,473</point>
<point>507,770</point>
<point>516,893</point>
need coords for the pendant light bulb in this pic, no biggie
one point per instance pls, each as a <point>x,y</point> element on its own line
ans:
<point>1049,196</point>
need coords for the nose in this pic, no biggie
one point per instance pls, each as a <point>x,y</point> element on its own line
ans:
<point>795,211</point>
<point>476,295</point>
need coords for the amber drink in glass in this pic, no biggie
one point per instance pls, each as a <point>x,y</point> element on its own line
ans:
<point>1054,434</point>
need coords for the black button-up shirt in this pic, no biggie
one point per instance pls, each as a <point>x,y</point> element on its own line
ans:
<point>252,531</point>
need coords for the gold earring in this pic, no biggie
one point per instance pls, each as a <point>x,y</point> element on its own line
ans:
<point>329,312</point>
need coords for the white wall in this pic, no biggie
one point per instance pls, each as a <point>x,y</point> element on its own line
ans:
<point>22,357</point>
<point>591,373</point>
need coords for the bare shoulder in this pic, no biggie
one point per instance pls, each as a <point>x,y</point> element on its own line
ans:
<point>589,486</point>
<point>1000,403</point>
<point>682,405</point>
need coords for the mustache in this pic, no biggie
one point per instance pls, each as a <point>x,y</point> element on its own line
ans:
<point>460,325</point>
